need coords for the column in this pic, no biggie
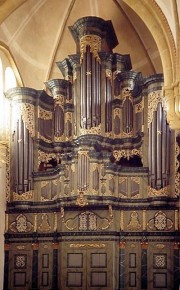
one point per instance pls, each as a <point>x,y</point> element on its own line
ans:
<point>176,266</point>
<point>6,268</point>
<point>35,247</point>
<point>144,282</point>
<point>55,267</point>
<point>122,265</point>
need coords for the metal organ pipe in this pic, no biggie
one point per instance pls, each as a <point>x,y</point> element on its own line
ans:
<point>167,152</point>
<point>98,92</point>
<point>88,87</point>
<point>150,153</point>
<point>159,146</point>
<point>154,149</point>
<point>94,102</point>
<point>30,162</point>
<point>25,166</point>
<point>83,171</point>
<point>108,109</point>
<point>21,155</point>
<point>16,156</point>
<point>83,92</point>
<point>164,156</point>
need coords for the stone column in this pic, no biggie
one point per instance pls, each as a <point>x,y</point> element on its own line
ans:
<point>55,267</point>
<point>144,282</point>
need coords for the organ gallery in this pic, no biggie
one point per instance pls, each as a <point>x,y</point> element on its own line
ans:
<point>92,186</point>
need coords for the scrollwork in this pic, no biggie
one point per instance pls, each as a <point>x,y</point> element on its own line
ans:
<point>153,99</point>
<point>25,196</point>
<point>126,153</point>
<point>44,114</point>
<point>94,42</point>
<point>27,112</point>
<point>158,192</point>
<point>92,130</point>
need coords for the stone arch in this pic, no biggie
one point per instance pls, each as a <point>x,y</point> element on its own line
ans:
<point>154,19</point>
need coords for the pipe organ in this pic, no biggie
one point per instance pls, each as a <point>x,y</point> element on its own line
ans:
<point>93,187</point>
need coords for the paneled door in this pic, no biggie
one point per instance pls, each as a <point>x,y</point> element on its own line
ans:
<point>86,266</point>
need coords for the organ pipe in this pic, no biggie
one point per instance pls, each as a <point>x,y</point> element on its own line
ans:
<point>21,156</point>
<point>88,88</point>
<point>159,145</point>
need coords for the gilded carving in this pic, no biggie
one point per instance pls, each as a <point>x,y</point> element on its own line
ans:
<point>144,220</point>
<point>35,222</point>
<point>134,223</point>
<point>158,192</point>
<point>73,167</point>
<point>160,246</point>
<point>25,196</point>
<point>92,130</point>
<point>70,224</point>
<point>44,226</point>
<point>117,112</point>
<point>5,161</point>
<point>127,135</point>
<point>109,74</point>
<point>20,261</point>
<point>44,183</point>
<point>45,157</point>
<point>83,152</point>
<point>98,246</point>
<point>44,114</point>
<point>160,222</point>
<point>94,166</point>
<point>176,220</point>
<point>28,117</point>
<point>160,261</point>
<point>94,42</point>
<point>55,221</point>
<point>68,117</point>
<point>153,99</point>
<point>81,199</point>
<point>126,93</point>
<point>139,107</point>
<point>59,138</point>
<point>21,224</point>
<point>20,247</point>
<point>44,139</point>
<point>177,165</point>
<point>126,153</point>
<point>136,179</point>
<point>3,152</point>
<point>59,101</point>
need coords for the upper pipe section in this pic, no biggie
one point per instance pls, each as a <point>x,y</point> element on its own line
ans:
<point>95,26</point>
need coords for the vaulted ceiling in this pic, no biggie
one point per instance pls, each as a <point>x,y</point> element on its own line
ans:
<point>38,36</point>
